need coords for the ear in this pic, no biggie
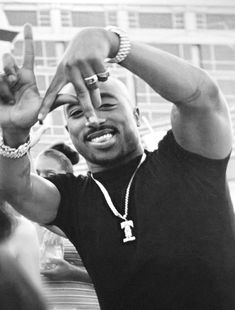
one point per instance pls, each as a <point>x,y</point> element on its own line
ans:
<point>137,116</point>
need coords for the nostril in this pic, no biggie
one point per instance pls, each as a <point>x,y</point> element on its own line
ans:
<point>95,122</point>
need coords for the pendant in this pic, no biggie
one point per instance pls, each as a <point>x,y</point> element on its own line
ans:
<point>126,225</point>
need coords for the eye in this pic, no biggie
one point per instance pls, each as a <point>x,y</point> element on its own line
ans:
<point>75,113</point>
<point>107,106</point>
<point>50,174</point>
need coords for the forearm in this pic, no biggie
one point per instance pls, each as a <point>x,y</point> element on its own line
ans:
<point>173,78</point>
<point>15,173</point>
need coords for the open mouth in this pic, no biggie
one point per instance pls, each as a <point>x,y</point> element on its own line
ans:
<point>101,136</point>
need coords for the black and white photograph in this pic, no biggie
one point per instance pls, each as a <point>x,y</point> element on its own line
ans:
<point>117,155</point>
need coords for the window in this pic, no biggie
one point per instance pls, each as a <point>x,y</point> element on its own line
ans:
<point>19,18</point>
<point>66,20</point>
<point>149,101</point>
<point>41,82</point>
<point>44,18</point>
<point>155,20</point>
<point>45,53</point>
<point>227,86</point>
<point>178,20</point>
<point>133,19</point>
<point>50,53</point>
<point>180,50</point>
<point>88,18</point>
<point>216,21</point>
<point>218,57</point>
<point>35,18</point>
<point>111,18</point>
<point>58,121</point>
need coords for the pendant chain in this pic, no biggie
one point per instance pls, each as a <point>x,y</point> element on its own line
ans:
<point>108,198</point>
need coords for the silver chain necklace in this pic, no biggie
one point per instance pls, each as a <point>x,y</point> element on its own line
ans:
<point>126,224</point>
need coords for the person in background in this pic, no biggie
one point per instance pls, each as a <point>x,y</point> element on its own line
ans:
<point>67,284</point>
<point>19,287</point>
<point>154,229</point>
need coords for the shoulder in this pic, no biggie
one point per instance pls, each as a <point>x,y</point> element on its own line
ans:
<point>172,154</point>
<point>67,181</point>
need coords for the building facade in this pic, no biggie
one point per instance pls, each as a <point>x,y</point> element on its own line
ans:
<point>202,32</point>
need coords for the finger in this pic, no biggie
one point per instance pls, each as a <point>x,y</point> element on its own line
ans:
<point>101,70</point>
<point>5,93</point>
<point>10,68</point>
<point>62,99</point>
<point>28,61</point>
<point>83,95</point>
<point>95,97</point>
<point>94,91</point>
<point>57,83</point>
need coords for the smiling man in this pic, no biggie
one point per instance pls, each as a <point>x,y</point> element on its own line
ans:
<point>114,136</point>
<point>155,229</point>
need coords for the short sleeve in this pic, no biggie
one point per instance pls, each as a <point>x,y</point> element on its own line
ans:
<point>67,184</point>
<point>190,162</point>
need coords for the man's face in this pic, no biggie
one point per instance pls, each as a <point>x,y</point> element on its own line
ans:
<point>47,166</point>
<point>116,138</point>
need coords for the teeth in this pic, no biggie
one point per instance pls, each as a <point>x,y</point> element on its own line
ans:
<point>103,138</point>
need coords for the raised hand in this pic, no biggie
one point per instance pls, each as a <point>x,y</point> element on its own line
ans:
<point>84,58</point>
<point>19,96</point>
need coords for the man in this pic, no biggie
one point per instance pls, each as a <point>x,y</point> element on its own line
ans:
<point>154,230</point>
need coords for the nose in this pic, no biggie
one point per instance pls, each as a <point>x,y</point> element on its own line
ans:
<point>95,122</point>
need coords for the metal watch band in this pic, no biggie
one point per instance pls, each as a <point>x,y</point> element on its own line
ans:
<point>124,47</point>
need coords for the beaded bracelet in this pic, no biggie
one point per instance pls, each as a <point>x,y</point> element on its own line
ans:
<point>14,153</point>
<point>124,47</point>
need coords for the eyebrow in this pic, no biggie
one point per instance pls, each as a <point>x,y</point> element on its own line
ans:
<point>69,106</point>
<point>107,95</point>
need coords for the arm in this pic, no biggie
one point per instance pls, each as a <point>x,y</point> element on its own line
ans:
<point>27,249</point>
<point>200,117</point>
<point>65,271</point>
<point>33,196</point>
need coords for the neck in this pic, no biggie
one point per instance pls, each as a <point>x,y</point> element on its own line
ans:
<point>93,168</point>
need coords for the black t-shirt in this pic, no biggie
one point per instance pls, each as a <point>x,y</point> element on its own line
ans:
<point>184,253</point>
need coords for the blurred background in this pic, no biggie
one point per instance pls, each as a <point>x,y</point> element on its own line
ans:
<point>200,31</point>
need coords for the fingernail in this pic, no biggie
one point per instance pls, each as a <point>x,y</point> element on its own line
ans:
<point>40,117</point>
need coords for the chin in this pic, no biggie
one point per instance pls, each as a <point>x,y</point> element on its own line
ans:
<point>108,159</point>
